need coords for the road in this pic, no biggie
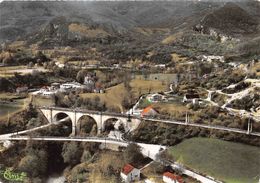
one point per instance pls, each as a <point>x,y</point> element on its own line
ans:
<point>33,129</point>
<point>150,150</point>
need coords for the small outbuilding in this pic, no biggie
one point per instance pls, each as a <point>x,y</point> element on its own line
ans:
<point>149,112</point>
<point>130,173</point>
<point>194,98</point>
<point>169,177</point>
<point>156,97</point>
<point>22,89</point>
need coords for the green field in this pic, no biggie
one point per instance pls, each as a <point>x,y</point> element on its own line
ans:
<point>226,161</point>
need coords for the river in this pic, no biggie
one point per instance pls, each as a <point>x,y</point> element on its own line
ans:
<point>60,179</point>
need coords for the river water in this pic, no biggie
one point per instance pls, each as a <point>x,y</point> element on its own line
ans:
<point>60,179</point>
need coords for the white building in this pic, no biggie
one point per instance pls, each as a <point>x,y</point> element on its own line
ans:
<point>89,83</point>
<point>194,98</point>
<point>71,86</point>
<point>22,89</point>
<point>45,92</point>
<point>211,58</point>
<point>156,97</point>
<point>171,178</point>
<point>161,66</point>
<point>60,65</point>
<point>130,173</point>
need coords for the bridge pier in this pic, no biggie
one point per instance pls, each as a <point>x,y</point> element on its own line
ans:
<point>249,127</point>
<point>187,119</point>
<point>73,132</point>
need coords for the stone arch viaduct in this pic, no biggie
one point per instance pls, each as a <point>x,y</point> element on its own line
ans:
<point>101,118</point>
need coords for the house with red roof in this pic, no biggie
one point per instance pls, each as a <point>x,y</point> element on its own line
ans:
<point>169,177</point>
<point>149,112</point>
<point>130,173</point>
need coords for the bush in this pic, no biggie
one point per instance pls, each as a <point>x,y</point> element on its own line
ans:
<point>132,153</point>
<point>71,153</point>
<point>34,163</point>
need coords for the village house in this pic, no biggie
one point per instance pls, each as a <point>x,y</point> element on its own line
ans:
<point>172,178</point>
<point>156,98</point>
<point>73,86</point>
<point>45,92</point>
<point>149,112</point>
<point>89,83</point>
<point>60,65</point>
<point>161,66</point>
<point>116,66</point>
<point>55,86</point>
<point>22,89</point>
<point>211,58</point>
<point>130,173</point>
<point>194,98</point>
<point>98,90</point>
<point>143,66</point>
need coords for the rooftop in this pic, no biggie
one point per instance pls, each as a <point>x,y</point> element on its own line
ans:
<point>127,169</point>
<point>173,176</point>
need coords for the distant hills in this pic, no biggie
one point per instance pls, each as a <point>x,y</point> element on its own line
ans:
<point>20,20</point>
<point>231,19</point>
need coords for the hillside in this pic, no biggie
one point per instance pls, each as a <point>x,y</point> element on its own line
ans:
<point>227,161</point>
<point>22,18</point>
<point>231,19</point>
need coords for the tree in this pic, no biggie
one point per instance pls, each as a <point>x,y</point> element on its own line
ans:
<point>71,153</point>
<point>86,156</point>
<point>30,65</point>
<point>80,75</point>
<point>126,103</point>
<point>8,59</point>
<point>34,163</point>
<point>132,153</point>
<point>40,57</point>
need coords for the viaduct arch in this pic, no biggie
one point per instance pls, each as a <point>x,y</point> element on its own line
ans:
<point>101,118</point>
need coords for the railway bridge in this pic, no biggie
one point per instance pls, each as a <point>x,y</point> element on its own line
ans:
<point>129,122</point>
<point>101,118</point>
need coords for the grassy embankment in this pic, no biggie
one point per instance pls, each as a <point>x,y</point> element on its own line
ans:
<point>15,103</point>
<point>227,161</point>
<point>9,108</point>
<point>10,70</point>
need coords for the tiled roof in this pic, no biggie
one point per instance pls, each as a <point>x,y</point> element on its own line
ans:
<point>147,110</point>
<point>127,169</point>
<point>173,177</point>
